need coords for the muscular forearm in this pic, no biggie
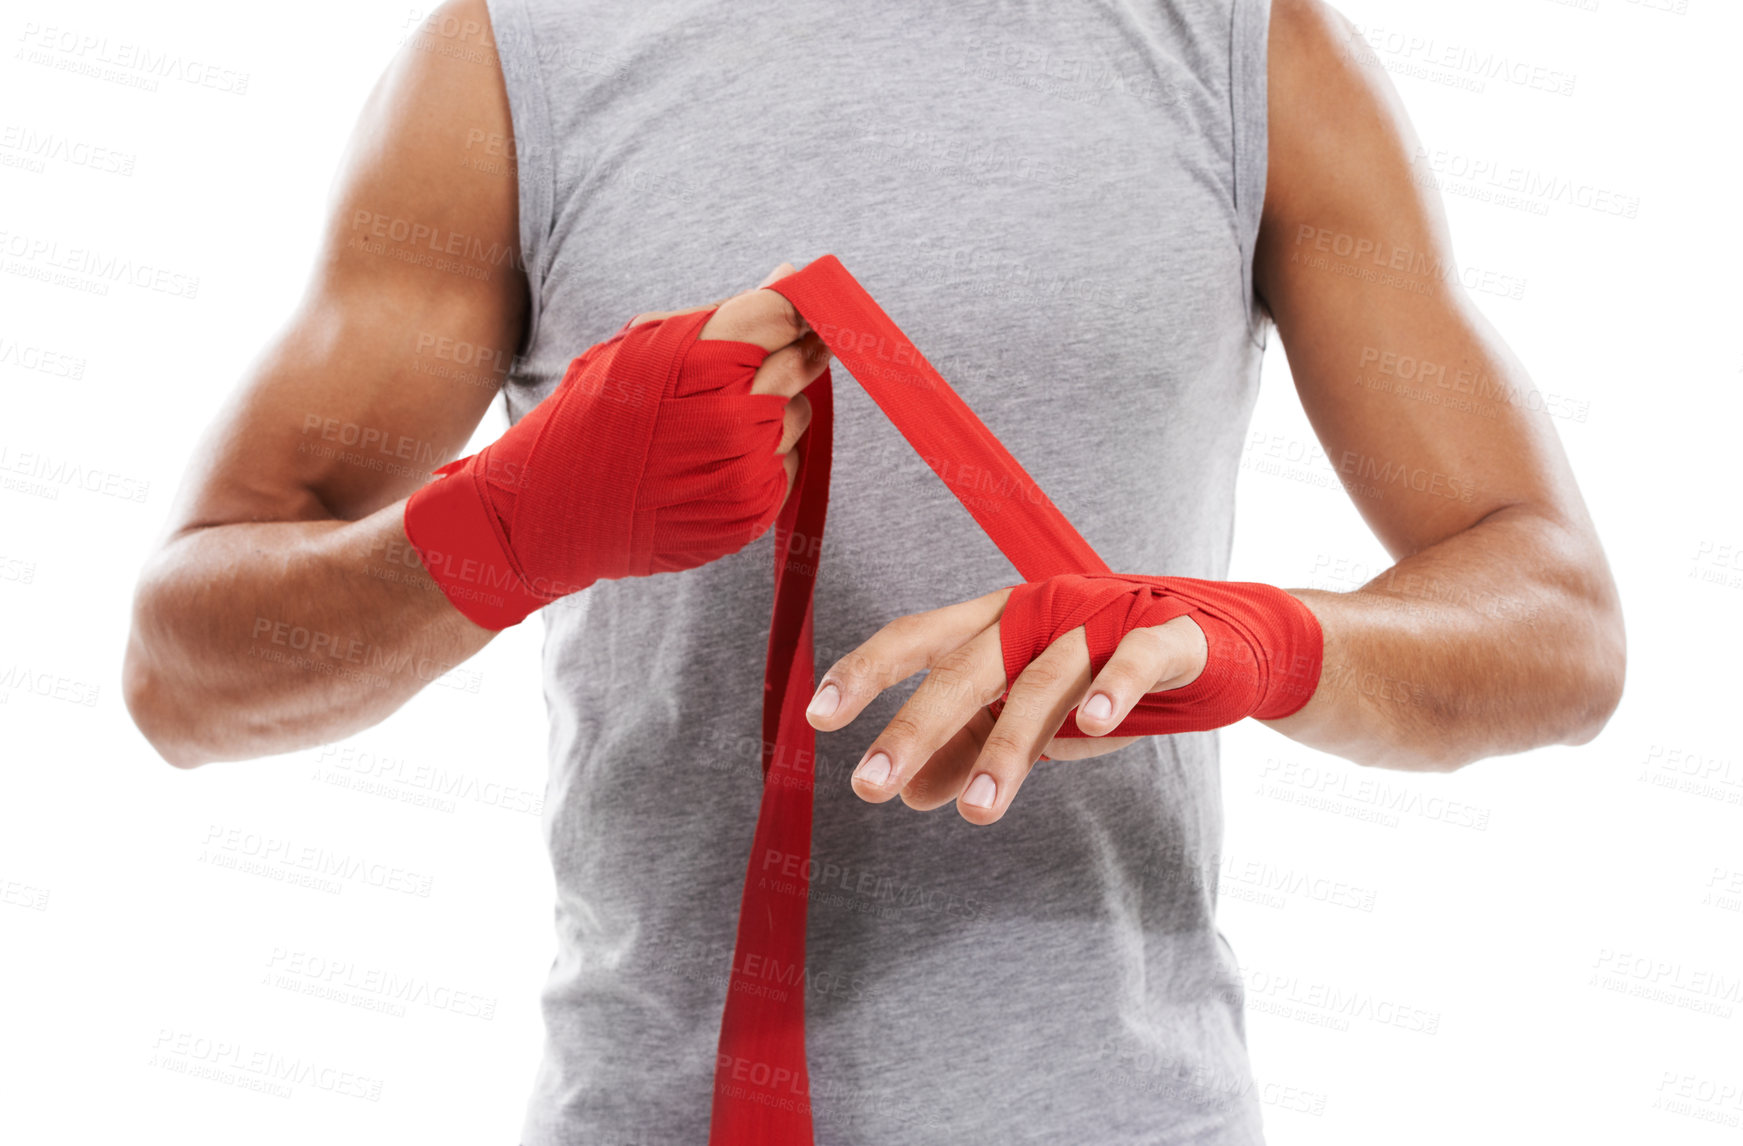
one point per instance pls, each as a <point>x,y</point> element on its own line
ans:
<point>258,638</point>
<point>1501,638</point>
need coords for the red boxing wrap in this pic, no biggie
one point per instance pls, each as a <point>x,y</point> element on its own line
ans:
<point>1263,647</point>
<point>651,456</point>
<point>1264,659</point>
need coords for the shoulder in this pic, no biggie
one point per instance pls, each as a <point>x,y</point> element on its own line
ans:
<point>432,151</point>
<point>1341,148</point>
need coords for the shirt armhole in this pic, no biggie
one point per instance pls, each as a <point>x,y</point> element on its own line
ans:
<point>1249,40</point>
<point>530,114</point>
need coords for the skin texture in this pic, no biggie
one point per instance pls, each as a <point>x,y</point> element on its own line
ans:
<point>1498,630</point>
<point>284,607</point>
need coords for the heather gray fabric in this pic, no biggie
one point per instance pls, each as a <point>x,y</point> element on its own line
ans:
<point>1058,202</point>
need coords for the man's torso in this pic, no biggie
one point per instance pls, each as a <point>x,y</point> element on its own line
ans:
<point>1058,204</point>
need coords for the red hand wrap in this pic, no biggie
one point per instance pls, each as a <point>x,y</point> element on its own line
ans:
<point>1263,646</point>
<point>650,456</point>
<point>653,456</point>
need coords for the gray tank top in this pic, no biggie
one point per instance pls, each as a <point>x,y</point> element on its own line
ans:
<point>1057,201</point>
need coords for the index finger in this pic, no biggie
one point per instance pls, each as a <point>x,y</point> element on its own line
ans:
<point>961,684</point>
<point>896,652</point>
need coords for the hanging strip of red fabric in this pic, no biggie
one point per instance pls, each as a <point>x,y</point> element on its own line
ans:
<point>762,1093</point>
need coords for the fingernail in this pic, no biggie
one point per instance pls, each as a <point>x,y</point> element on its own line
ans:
<point>980,793</point>
<point>827,700</point>
<point>1098,707</point>
<point>874,770</point>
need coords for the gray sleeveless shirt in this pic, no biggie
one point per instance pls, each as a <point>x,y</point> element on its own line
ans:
<point>1057,201</point>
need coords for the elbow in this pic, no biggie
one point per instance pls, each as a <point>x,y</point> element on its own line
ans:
<point>1441,754</point>
<point>1601,674</point>
<point>153,695</point>
<point>148,703</point>
<point>1580,688</point>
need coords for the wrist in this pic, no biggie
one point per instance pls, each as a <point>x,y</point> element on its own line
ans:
<point>460,541</point>
<point>1295,654</point>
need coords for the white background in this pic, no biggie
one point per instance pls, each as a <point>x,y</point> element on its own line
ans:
<point>1568,922</point>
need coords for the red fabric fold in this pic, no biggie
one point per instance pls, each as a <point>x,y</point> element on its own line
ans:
<point>758,1099</point>
<point>653,456</point>
<point>650,456</point>
<point>1263,647</point>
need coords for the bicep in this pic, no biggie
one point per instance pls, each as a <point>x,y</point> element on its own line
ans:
<point>1421,408</point>
<point>414,310</point>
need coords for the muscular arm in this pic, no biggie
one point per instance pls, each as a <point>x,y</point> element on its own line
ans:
<point>1499,629</point>
<point>284,608</point>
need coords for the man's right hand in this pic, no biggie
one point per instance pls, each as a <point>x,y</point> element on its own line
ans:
<point>284,607</point>
<point>796,355</point>
<point>663,448</point>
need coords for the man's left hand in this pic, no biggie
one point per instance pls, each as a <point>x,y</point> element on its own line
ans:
<point>944,744</point>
